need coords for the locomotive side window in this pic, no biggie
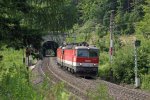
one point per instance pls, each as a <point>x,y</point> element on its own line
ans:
<point>82,53</point>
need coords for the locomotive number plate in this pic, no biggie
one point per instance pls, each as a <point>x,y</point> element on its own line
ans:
<point>87,60</point>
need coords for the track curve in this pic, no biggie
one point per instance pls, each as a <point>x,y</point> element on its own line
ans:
<point>80,86</point>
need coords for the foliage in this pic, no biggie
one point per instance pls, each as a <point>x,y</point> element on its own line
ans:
<point>145,82</point>
<point>12,25</point>
<point>59,92</point>
<point>143,27</point>
<point>104,71</point>
<point>14,83</point>
<point>144,56</point>
<point>123,65</point>
<point>104,58</point>
<point>95,9</point>
<point>53,15</point>
<point>25,22</point>
<point>128,13</point>
<point>93,19</point>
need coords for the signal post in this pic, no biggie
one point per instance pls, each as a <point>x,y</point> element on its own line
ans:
<point>137,79</point>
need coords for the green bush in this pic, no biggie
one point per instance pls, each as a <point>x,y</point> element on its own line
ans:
<point>145,82</point>
<point>123,65</point>
<point>15,84</point>
<point>59,92</point>
<point>123,62</point>
<point>143,54</point>
<point>14,77</point>
<point>104,71</point>
<point>103,58</point>
<point>104,66</point>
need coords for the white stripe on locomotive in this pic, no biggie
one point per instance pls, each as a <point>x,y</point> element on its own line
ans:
<point>78,64</point>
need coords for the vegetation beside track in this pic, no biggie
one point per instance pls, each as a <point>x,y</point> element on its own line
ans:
<point>14,79</point>
<point>15,83</point>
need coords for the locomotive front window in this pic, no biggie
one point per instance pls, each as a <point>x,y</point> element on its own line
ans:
<point>93,53</point>
<point>82,53</point>
<point>87,53</point>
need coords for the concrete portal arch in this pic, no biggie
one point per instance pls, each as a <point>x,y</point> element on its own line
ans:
<point>49,45</point>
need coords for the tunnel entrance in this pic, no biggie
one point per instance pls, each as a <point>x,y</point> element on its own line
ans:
<point>49,48</point>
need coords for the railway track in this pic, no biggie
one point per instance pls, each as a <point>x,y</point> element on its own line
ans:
<point>80,87</point>
<point>55,78</point>
<point>123,93</point>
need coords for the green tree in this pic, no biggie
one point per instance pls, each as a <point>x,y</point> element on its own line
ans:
<point>23,22</point>
<point>143,26</point>
<point>128,13</point>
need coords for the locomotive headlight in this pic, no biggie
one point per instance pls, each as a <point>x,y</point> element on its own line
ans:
<point>74,59</point>
<point>94,64</point>
<point>80,64</point>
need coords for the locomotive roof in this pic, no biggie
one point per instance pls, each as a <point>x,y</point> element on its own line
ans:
<point>78,47</point>
<point>82,45</point>
<point>85,47</point>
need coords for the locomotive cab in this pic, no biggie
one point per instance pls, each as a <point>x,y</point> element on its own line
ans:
<point>86,61</point>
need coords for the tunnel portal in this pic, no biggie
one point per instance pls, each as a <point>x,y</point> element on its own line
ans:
<point>49,48</point>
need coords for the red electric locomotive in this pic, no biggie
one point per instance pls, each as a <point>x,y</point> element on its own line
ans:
<point>79,58</point>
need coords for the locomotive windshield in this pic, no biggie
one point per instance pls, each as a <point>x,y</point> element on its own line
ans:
<point>82,53</point>
<point>93,53</point>
<point>87,53</point>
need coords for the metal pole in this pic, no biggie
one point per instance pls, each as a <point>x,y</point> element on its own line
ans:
<point>135,54</point>
<point>136,68</point>
<point>111,36</point>
<point>111,44</point>
<point>28,59</point>
<point>23,56</point>
<point>74,38</point>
